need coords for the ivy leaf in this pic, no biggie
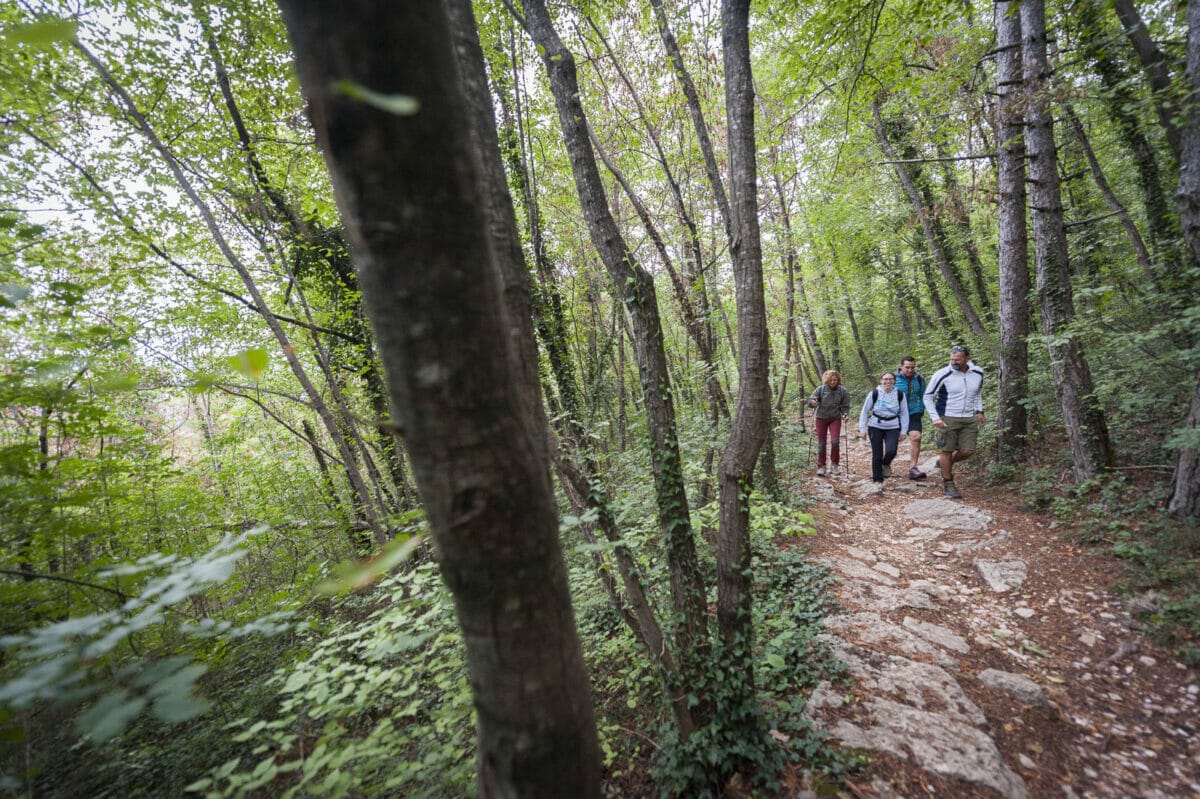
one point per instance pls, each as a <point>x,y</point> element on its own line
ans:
<point>42,33</point>
<point>402,105</point>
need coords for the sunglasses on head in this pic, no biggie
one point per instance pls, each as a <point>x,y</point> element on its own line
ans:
<point>960,348</point>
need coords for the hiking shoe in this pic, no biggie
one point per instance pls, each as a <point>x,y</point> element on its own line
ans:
<point>950,490</point>
<point>820,471</point>
<point>887,471</point>
<point>916,474</point>
<point>836,470</point>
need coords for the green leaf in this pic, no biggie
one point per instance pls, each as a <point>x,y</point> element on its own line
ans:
<point>365,573</point>
<point>402,105</point>
<point>11,294</point>
<point>42,33</point>
<point>178,707</point>
<point>109,716</point>
<point>251,363</point>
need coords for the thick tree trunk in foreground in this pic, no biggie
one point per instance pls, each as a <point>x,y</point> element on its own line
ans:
<point>1185,493</point>
<point>1013,421</point>
<point>415,190</point>
<point>753,412</point>
<point>1087,430</point>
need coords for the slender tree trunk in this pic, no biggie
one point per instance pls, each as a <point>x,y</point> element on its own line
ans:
<point>1121,101</point>
<point>858,344</point>
<point>1184,503</point>
<point>636,294</point>
<point>914,185</point>
<point>753,413</point>
<point>419,194</point>
<point>1013,389</point>
<point>694,108</point>
<point>1087,431</point>
<point>1110,196</point>
<point>126,103</point>
<point>1158,72</point>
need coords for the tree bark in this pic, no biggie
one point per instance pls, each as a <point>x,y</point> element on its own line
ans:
<point>1087,431</point>
<point>636,294</point>
<point>1013,242</point>
<point>753,413</point>
<point>417,192</point>
<point>1158,72</point>
<point>697,113</point>
<point>935,237</point>
<point>1184,503</point>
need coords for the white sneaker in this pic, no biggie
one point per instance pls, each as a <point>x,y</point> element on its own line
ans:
<point>836,471</point>
<point>820,471</point>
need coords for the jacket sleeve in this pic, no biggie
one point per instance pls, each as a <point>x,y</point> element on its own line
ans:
<point>844,408</point>
<point>866,411</point>
<point>904,416</point>
<point>930,399</point>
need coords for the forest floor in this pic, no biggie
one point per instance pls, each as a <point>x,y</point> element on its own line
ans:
<point>990,655</point>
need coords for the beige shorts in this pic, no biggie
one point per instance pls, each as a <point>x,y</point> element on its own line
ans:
<point>961,433</point>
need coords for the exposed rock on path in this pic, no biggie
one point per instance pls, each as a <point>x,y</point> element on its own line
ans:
<point>991,662</point>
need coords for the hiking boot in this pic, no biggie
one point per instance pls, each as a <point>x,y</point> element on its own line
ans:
<point>887,471</point>
<point>916,474</point>
<point>950,490</point>
<point>820,471</point>
<point>836,470</point>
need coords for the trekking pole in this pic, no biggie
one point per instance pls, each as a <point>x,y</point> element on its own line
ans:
<point>812,431</point>
<point>846,451</point>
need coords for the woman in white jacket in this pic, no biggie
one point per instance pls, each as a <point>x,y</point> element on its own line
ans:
<point>884,419</point>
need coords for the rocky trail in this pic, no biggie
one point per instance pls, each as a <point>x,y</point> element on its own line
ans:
<point>986,654</point>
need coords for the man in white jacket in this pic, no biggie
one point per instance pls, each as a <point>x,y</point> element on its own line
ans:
<point>954,401</point>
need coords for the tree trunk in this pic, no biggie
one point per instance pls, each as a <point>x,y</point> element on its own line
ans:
<point>1087,431</point>
<point>416,192</point>
<point>752,414</point>
<point>1110,196</point>
<point>918,193</point>
<point>679,68</point>
<point>636,294</point>
<point>1158,72</point>
<point>138,119</point>
<point>1185,494</point>
<point>1013,256</point>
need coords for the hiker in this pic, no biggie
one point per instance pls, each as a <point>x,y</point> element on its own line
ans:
<point>832,402</point>
<point>884,419</point>
<point>955,404</point>
<point>912,384</point>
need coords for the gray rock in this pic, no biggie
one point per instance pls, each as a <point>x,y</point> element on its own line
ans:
<point>856,570</point>
<point>861,554</point>
<point>921,685</point>
<point>919,534</point>
<point>1025,613</point>
<point>1022,688</point>
<point>937,634</point>
<point>983,543</point>
<point>862,594</point>
<point>888,569</point>
<point>873,630</point>
<point>1002,575</point>
<point>937,743</point>
<point>949,515</point>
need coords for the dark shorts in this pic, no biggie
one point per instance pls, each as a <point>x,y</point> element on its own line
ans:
<point>914,421</point>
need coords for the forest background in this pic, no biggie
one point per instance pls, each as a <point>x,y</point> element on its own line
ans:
<point>195,426</point>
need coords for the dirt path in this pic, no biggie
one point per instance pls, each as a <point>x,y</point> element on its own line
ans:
<point>988,658</point>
